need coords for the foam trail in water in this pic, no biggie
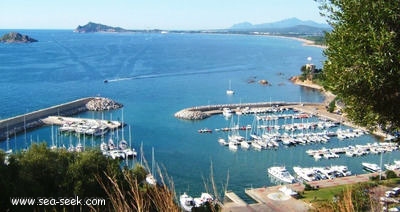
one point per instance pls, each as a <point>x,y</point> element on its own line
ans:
<point>209,71</point>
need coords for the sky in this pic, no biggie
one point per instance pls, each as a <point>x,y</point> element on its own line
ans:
<point>151,14</point>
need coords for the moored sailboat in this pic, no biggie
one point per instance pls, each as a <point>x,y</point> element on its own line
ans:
<point>230,91</point>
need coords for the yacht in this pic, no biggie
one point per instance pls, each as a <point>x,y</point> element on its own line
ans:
<point>306,174</point>
<point>343,170</point>
<point>371,167</point>
<point>200,201</point>
<point>187,202</point>
<point>227,112</point>
<point>394,166</point>
<point>281,174</point>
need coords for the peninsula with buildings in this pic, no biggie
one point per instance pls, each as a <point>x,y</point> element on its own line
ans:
<point>310,32</point>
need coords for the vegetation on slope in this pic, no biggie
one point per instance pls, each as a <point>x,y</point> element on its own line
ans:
<point>363,66</point>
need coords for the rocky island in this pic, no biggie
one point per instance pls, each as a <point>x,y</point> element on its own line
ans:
<point>14,37</point>
<point>93,27</point>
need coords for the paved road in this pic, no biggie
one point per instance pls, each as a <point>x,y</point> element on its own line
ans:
<point>271,199</point>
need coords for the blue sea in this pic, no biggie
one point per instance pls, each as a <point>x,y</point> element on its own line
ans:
<point>156,75</point>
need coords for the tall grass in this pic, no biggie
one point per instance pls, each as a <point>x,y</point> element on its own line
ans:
<point>133,193</point>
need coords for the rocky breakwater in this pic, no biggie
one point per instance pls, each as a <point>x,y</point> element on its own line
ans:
<point>191,114</point>
<point>100,104</point>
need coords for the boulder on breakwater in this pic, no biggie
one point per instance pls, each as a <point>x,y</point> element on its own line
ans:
<point>191,114</point>
<point>100,104</point>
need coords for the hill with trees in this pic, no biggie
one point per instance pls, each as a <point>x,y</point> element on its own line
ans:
<point>363,63</point>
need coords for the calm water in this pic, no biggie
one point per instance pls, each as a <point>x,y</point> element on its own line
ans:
<point>156,75</point>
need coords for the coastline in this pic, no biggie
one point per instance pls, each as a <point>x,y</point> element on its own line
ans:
<point>303,40</point>
<point>329,97</point>
<point>309,84</point>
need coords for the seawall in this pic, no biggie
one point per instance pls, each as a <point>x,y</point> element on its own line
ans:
<point>32,120</point>
<point>202,112</point>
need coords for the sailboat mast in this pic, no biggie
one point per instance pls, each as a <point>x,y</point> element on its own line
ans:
<point>122,124</point>
<point>152,161</point>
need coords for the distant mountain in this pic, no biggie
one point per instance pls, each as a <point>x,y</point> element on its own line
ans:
<point>14,37</point>
<point>93,27</point>
<point>291,25</point>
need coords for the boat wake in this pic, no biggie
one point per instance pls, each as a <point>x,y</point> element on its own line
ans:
<point>160,75</point>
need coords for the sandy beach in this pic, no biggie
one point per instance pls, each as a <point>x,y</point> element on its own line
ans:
<point>303,40</point>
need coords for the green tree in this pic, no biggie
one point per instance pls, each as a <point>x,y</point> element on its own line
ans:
<point>363,59</point>
<point>41,172</point>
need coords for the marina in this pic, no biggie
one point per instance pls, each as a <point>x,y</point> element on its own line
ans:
<point>172,84</point>
<point>283,126</point>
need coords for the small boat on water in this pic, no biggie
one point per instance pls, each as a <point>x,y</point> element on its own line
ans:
<point>230,91</point>
<point>281,173</point>
<point>371,167</point>
<point>204,130</point>
<point>187,202</point>
<point>105,81</point>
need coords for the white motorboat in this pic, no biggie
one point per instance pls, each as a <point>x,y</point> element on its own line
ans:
<point>227,112</point>
<point>187,202</point>
<point>394,166</point>
<point>306,174</point>
<point>200,201</point>
<point>280,173</point>
<point>343,170</point>
<point>371,167</point>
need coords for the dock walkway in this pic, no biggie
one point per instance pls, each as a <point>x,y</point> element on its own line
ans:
<point>61,120</point>
<point>31,120</point>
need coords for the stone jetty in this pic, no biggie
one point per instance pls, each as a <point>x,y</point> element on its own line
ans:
<point>202,112</point>
<point>101,103</point>
<point>191,114</point>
